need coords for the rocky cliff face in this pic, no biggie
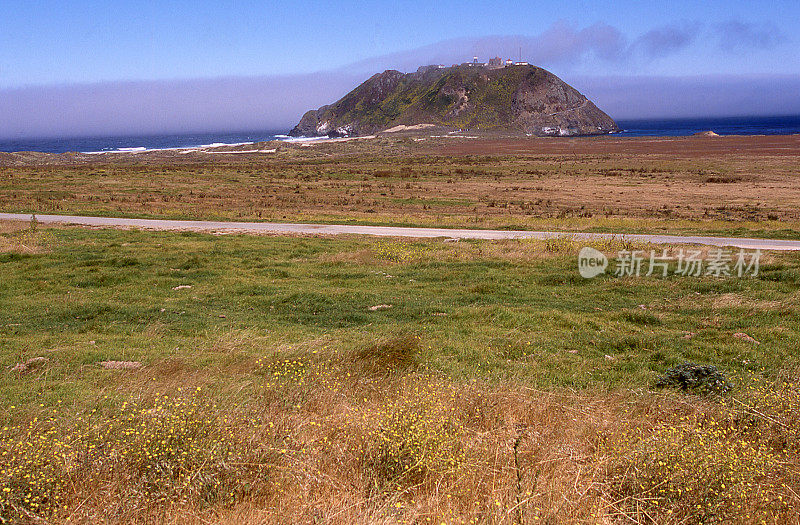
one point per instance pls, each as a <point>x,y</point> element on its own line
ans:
<point>523,99</point>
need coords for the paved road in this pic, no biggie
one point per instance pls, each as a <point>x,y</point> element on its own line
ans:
<point>393,231</point>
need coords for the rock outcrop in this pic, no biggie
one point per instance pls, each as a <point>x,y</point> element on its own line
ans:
<point>521,99</point>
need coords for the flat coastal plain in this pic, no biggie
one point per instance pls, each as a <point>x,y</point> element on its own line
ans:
<point>733,185</point>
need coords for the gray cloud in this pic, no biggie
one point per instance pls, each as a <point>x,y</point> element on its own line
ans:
<point>665,40</point>
<point>735,36</point>
<point>694,96</point>
<point>120,108</point>
<point>560,45</point>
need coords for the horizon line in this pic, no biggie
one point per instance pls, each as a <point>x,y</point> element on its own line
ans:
<point>279,131</point>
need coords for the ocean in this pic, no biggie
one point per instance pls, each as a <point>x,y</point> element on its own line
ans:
<point>631,128</point>
<point>139,142</point>
<point>722,126</point>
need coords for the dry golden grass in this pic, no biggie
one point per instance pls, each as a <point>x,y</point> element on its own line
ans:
<point>22,238</point>
<point>731,462</point>
<point>13,226</point>
<point>324,444</point>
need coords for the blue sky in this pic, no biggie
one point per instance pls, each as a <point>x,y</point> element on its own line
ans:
<point>48,43</point>
<point>45,42</point>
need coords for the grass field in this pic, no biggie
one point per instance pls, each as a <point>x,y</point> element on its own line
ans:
<point>162,377</point>
<point>327,380</point>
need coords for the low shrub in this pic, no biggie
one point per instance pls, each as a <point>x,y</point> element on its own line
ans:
<point>696,379</point>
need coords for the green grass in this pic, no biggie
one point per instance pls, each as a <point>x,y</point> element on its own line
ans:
<point>267,380</point>
<point>108,295</point>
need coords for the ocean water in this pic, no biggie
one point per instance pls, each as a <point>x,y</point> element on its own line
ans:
<point>631,128</point>
<point>139,142</point>
<point>722,126</point>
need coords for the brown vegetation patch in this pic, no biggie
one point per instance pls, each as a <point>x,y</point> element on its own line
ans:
<point>495,183</point>
<point>695,146</point>
<point>23,238</point>
<point>392,354</point>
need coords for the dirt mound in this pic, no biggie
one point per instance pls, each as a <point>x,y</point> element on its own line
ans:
<point>120,365</point>
<point>30,365</point>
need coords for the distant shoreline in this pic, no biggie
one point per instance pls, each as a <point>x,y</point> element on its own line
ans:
<point>724,126</point>
<point>689,147</point>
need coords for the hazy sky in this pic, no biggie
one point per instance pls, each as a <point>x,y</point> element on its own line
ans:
<point>69,67</point>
